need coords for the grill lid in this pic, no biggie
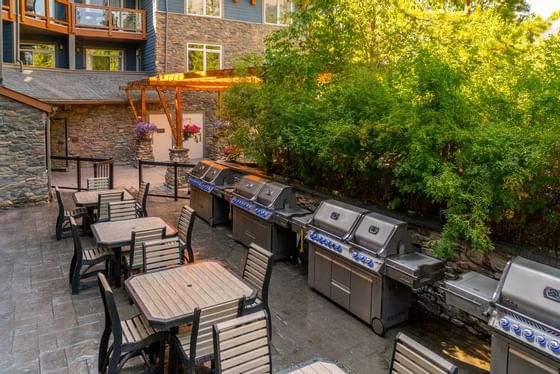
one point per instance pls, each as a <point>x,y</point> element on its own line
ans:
<point>201,168</point>
<point>218,175</point>
<point>337,218</point>
<point>249,186</point>
<point>277,196</point>
<point>381,234</point>
<point>532,289</point>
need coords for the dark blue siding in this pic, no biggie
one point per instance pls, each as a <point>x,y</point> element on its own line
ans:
<point>149,48</point>
<point>174,6</point>
<point>129,52</point>
<point>8,40</point>
<point>243,11</point>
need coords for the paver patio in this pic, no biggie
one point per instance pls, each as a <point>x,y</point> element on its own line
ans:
<point>43,328</point>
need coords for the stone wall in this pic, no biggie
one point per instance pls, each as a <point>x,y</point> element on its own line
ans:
<point>23,169</point>
<point>236,38</point>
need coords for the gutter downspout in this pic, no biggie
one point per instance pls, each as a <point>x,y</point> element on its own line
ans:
<point>165,42</point>
<point>48,141</point>
<point>16,49</point>
<point>1,51</point>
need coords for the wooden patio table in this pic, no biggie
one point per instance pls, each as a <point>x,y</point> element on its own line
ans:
<point>168,298</point>
<point>117,234</point>
<point>89,199</point>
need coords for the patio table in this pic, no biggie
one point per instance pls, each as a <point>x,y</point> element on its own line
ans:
<point>319,366</point>
<point>168,298</point>
<point>89,199</point>
<point>117,234</point>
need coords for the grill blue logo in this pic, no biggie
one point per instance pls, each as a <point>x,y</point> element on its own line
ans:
<point>552,294</point>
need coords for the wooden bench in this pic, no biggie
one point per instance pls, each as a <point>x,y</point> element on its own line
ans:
<point>410,357</point>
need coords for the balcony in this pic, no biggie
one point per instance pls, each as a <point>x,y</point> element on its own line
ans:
<point>79,19</point>
<point>104,21</point>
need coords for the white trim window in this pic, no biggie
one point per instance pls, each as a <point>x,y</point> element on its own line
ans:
<point>209,8</point>
<point>276,11</point>
<point>40,55</point>
<point>204,57</point>
<point>104,59</point>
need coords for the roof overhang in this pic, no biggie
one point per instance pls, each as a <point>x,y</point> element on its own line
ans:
<point>37,104</point>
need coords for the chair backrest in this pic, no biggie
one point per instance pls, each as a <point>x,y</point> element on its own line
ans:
<point>59,201</point>
<point>202,340</point>
<point>104,169</point>
<point>142,194</point>
<point>122,210</point>
<point>96,184</point>
<point>103,201</point>
<point>136,241</point>
<point>160,254</point>
<point>258,269</point>
<point>185,228</point>
<point>241,345</point>
<point>77,241</point>
<point>410,357</point>
<point>112,319</point>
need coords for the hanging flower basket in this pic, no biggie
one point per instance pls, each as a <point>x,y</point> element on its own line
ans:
<point>191,131</point>
<point>144,129</point>
<point>232,153</point>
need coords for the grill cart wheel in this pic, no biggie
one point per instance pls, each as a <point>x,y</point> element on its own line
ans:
<point>377,326</point>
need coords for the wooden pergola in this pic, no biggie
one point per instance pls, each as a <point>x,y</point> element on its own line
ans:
<point>211,81</point>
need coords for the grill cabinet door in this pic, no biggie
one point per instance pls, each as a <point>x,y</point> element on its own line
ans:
<point>360,299</point>
<point>520,362</point>
<point>340,284</point>
<point>201,202</point>
<point>322,274</point>
<point>249,229</point>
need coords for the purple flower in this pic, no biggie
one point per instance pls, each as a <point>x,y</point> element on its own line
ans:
<point>144,129</point>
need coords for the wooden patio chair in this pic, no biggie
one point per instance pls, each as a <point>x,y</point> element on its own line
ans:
<point>135,260</point>
<point>96,184</point>
<point>62,220</point>
<point>104,169</point>
<point>103,204</point>
<point>184,231</point>
<point>161,254</point>
<point>86,257</point>
<point>131,337</point>
<point>410,357</point>
<point>241,345</point>
<point>142,199</point>
<point>197,346</point>
<point>122,210</point>
<point>257,272</point>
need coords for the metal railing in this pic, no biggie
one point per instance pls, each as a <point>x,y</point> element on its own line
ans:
<point>168,164</point>
<point>79,166</point>
<point>97,20</point>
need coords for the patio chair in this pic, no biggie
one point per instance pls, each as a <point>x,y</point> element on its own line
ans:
<point>184,231</point>
<point>197,346</point>
<point>135,257</point>
<point>96,184</point>
<point>160,254</point>
<point>62,220</point>
<point>241,345</point>
<point>103,204</point>
<point>257,273</point>
<point>86,257</point>
<point>409,356</point>
<point>104,169</point>
<point>132,337</point>
<point>122,210</point>
<point>142,200</point>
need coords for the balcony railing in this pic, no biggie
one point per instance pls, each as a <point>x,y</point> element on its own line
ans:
<point>96,20</point>
<point>8,10</point>
<point>49,14</point>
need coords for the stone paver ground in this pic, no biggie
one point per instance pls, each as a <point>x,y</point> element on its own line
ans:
<point>43,328</point>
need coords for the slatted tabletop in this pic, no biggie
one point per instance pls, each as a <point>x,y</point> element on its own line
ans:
<point>88,199</point>
<point>117,234</point>
<point>168,298</point>
<point>319,367</point>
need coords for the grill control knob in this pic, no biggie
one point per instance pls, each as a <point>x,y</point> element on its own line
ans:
<point>361,258</point>
<point>338,247</point>
<point>529,334</point>
<point>516,329</point>
<point>355,255</point>
<point>370,262</point>
<point>504,323</point>
<point>541,340</point>
<point>554,346</point>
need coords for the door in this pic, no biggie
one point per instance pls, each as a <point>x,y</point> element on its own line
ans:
<point>163,138</point>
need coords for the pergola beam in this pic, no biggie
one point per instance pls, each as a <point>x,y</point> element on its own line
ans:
<point>163,103</point>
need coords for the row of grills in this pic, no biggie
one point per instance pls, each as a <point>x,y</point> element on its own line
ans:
<point>364,262</point>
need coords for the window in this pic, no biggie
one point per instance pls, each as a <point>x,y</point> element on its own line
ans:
<point>210,8</point>
<point>104,59</point>
<point>204,57</point>
<point>276,11</point>
<point>41,55</point>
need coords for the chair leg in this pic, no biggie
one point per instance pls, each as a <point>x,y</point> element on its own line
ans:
<point>269,321</point>
<point>76,279</point>
<point>72,267</point>
<point>59,221</point>
<point>104,354</point>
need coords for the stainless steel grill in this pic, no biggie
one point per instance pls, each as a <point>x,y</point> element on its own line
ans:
<point>350,251</point>
<point>207,180</point>
<point>525,319</point>
<point>261,214</point>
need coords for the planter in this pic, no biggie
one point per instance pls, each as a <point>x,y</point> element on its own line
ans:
<point>144,150</point>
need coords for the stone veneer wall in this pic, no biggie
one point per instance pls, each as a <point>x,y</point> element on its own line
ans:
<point>23,169</point>
<point>236,38</point>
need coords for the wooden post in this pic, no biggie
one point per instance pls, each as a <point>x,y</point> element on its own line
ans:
<point>131,102</point>
<point>143,101</point>
<point>167,113</point>
<point>178,119</point>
